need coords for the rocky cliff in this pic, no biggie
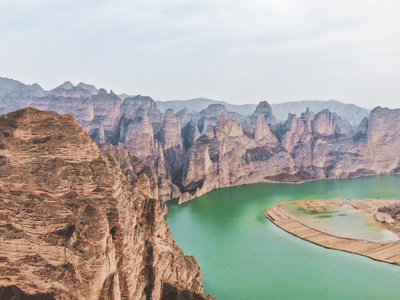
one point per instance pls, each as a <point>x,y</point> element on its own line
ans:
<point>188,154</point>
<point>73,227</point>
<point>307,147</point>
<point>352,113</point>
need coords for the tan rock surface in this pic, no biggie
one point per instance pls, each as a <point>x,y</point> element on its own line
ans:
<point>231,149</point>
<point>72,227</point>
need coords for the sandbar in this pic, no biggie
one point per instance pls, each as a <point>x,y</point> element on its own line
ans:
<point>388,252</point>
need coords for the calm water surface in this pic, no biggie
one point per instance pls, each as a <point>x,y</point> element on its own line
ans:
<point>245,256</point>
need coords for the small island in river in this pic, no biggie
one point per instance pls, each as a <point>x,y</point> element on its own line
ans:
<point>370,228</point>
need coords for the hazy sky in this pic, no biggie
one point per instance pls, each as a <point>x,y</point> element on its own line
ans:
<point>233,50</point>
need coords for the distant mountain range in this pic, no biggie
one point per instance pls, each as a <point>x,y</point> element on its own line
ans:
<point>353,113</point>
<point>211,144</point>
<point>70,197</point>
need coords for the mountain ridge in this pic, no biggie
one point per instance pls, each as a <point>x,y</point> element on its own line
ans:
<point>73,227</point>
<point>187,155</point>
<point>353,113</point>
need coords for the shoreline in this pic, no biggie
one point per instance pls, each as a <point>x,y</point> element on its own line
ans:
<point>187,196</point>
<point>388,252</point>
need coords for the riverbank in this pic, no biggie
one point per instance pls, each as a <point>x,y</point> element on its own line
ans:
<point>388,252</point>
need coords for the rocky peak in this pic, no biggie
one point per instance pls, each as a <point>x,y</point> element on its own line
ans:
<point>296,130</point>
<point>171,131</point>
<point>383,130</point>
<point>263,108</point>
<point>73,227</point>
<point>307,115</point>
<point>290,122</point>
<point>91,88</point>
<point>107,110</point>
<point>7,85</point>
<point>16,95</point>
<point>183,116</point>
<point>324,123</point>
<point>137,135</point>
<point>132,104</point>
<point>210,117</point>
<point>102,92</point>
<point>66,85</point>
<point>73,92</point>
<point>229,127</point>
<point>263,134</point>
<point>215,110</point>
<point>102,95</point>
<point>37,88</point>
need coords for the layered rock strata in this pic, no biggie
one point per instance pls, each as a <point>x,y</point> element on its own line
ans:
<point>73,227</point>
<point>310,147</point>
<point>196,153</point>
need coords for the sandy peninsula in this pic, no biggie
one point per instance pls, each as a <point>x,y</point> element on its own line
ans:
<point>382,251</point>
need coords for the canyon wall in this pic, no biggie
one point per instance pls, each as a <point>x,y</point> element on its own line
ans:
<point>73,227</point>
<point>186,155</point>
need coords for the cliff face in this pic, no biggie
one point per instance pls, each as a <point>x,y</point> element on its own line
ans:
<point>195,153</point>
<point>383,140</point>
<point>350,112</point>
<point>73,227</point>
<point>133,167</point>
<point>312,146</point>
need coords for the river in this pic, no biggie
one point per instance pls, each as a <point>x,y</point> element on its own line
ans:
<point>244,256</point>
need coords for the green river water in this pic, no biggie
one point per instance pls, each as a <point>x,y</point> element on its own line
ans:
<point>244,256</point>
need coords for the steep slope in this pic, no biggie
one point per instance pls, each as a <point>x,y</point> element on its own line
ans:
<point>71,225</point>
<point>186,155</point>
<point>308,147</point>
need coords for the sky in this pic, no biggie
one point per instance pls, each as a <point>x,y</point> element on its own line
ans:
<point>232,50</point>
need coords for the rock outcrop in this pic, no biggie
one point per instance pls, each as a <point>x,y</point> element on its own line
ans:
<point>383,140</point>
<point>73,227</point>
<point>132,104</point>
<point>133,167</point>
<point>263,134</point>
<point>195,153</point>
<point>263,108</point>
<point>352,113</point>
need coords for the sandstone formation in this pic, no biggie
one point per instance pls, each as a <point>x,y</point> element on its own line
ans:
<point>91,88</point>
<point>133,167</point>
<point>73,227</point>
<point>263,108</point>
<point>197,152</point>
<point>263,134</point>
<point>352,113</point>
<point>184,117</point>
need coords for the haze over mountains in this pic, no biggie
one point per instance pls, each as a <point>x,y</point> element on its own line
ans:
<point>353,113</point>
